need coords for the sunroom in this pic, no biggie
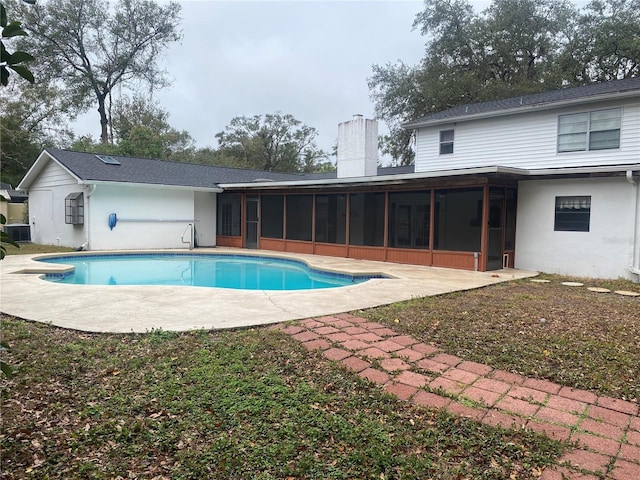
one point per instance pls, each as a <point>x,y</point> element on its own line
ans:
<point>463,220</point>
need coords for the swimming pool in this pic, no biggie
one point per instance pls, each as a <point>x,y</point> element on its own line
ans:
<point>248,272</point>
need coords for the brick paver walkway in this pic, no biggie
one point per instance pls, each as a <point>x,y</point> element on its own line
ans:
<point>606,429</point>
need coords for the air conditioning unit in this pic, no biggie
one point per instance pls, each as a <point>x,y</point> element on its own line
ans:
<point>18,232</point>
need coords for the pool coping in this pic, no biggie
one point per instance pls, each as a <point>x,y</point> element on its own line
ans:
<point>125,309</point>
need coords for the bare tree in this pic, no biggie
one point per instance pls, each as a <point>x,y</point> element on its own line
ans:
<point>90,47</point>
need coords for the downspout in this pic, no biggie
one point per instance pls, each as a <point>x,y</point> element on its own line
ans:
<point>635,258</point>
<point>87,217</point>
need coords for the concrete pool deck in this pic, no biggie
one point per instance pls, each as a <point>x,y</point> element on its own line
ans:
<point>124,309</point>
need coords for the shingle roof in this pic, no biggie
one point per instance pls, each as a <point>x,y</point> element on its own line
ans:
<point>381,171</point>
<point>532,100</point>
<point>87,166</point>
<point>15,195</point>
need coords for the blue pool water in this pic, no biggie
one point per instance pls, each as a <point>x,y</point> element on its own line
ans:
<point>204,270</point>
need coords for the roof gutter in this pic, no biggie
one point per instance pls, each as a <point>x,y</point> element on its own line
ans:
<point>215,189</point>
<point>584,170</point>
<point>522,109</point>
<point>635,255</point>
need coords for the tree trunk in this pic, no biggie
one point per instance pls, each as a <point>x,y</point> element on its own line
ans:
<point>104,122</point>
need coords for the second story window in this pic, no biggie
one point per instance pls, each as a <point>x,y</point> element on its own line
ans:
<point>597,130</point>
<point>446,141</point>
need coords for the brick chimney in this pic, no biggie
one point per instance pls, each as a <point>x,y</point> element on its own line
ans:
<point>358,148</point>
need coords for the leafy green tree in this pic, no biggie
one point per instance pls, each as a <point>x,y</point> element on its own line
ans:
<point>90,47</point>
<point>142,129</point>
<point>273,142</point>
<point>13,61</point>
<point>32,119</point>
<point>606,42</point>
<point>514,47</point>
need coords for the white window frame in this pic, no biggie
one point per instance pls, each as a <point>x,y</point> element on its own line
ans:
<point>446,142</point>
<point>586,128</point>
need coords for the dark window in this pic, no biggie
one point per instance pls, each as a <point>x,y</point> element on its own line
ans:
<point>458,220</point>
<point>366,219</point>
<point>446,141</point>
<point>598,130</point>
<point>272,215</point>
<point>409,219</point>
<point>572,214</point>
<point>331,218</point>
<point>510,227</point>
<point>74,208</point>
<point>229,214</point>
<point>299,217</point>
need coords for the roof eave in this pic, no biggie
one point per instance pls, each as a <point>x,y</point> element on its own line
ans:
<point>634,167</point>
<point>215,189</point>
<point>374,180</point>
<point>524,109</point>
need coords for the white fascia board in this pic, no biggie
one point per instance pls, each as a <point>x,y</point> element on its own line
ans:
<point>634,167</point>
<point>524,109</point>
<point>38,166</point>
<point>389,179</point>
<point>394,179</point>
<point>152,185</point>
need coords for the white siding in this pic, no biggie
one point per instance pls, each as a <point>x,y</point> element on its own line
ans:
<point>527,140</point>
<point>147,205</point>
<point>47,208</point>
<point>52,175</point>
<point>605,251</point>
<point>205,210</point>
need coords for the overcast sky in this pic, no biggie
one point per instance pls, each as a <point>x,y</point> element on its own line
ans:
<point>307,58</point>
<point>310,59</point>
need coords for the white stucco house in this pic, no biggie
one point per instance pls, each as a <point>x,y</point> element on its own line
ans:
<point>545,182</point>
<point>73,197</point>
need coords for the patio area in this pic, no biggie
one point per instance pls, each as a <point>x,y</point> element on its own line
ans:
<point>124,309</point>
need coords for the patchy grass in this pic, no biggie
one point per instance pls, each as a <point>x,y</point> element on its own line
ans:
<point>32,249</point>
<point>233,404</point>
<point>568,335</point>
